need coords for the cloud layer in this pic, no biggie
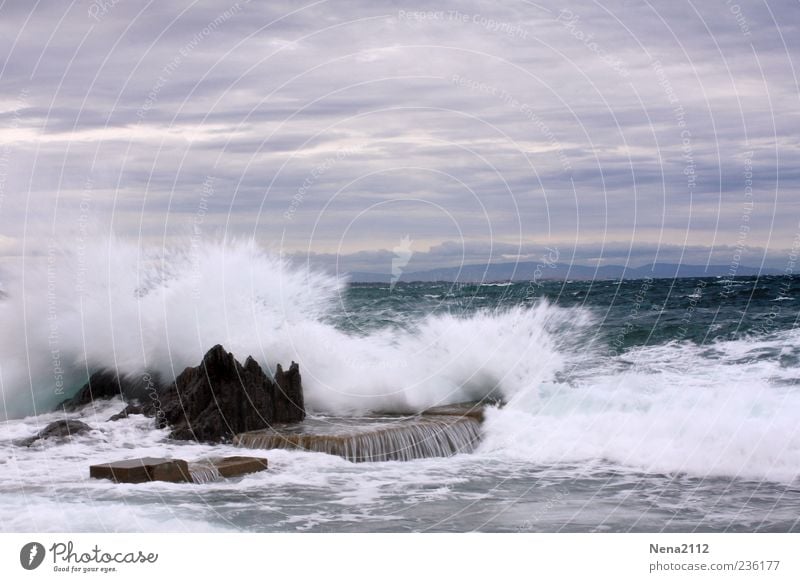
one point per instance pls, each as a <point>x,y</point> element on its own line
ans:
<point>615,131</point>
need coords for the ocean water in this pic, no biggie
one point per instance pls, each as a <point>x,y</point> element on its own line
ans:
<point>643,405</point>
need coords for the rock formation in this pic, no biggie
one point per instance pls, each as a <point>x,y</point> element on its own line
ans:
<point>107,384</point>
<point>221,398</point>
<point>288,395</point>
<point>147,409</point>
<point>210,402</point>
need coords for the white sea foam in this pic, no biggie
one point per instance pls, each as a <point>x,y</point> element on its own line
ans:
<point>680,408</point>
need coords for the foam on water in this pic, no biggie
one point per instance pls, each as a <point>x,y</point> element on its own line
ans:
<point>680,408</point>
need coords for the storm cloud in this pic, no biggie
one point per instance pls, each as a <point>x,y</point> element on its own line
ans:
<point>475,131</point>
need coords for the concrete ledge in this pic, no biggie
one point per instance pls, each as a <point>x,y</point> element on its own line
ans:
<point>372,438</point>
<point>177,470</point>
<point>466,409</point>
<point>143,470</point>
<point>236,466</point>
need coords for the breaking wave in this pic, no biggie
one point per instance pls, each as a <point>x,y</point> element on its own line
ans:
<point>115,306</point>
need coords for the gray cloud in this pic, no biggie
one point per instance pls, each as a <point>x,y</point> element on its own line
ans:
<point>342,128</point>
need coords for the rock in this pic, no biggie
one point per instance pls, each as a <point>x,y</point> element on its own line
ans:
<point>147,409</point>
<point>143,470</point>
<point>101,386</point>
<point>107,384</point>
<point>288,396</point>
<point>217,399</point>
<point>60,429</point>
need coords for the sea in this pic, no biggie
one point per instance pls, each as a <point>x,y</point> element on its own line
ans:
<point>647,405</point>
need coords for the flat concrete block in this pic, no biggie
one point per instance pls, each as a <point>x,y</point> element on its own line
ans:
<point>372,438</point>
<point>143,470</point>
<point>464,409</point>
<point>235,466</point>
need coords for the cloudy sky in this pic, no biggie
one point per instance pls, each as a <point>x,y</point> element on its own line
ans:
<point>614,131</point>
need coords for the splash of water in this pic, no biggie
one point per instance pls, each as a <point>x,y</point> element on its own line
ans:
<point>111,304</point>
<point>202,473</point>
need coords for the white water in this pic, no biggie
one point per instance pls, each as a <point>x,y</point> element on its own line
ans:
<point>678,409</point>
<point>203,472</point>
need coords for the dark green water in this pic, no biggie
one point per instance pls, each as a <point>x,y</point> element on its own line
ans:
<point>629,313</point>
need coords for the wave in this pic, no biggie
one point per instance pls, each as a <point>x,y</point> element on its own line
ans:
<point>113,305</point>
<point>720,411</point>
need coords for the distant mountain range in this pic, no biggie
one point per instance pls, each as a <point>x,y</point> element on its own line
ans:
<point>530,271</point>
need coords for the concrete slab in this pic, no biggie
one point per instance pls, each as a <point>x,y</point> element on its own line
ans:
<point>143,470</point>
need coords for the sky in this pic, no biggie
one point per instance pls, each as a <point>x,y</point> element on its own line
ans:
<point>348,134</point>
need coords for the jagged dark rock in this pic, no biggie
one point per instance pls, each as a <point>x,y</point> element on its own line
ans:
<point>147,409</point>
<point>288,396</point>
<point>107,384</point>
<point>60,429</point>
<point>217,399</point>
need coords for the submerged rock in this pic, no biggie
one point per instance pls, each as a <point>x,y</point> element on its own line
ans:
<point>60,429</point>
<point>221,398</point>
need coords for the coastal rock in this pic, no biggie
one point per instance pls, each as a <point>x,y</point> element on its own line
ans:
<point>288,395</point>
<point>60,429</point>
<point>107,384</point>
<point>134,408</point>
<point>217,399</point>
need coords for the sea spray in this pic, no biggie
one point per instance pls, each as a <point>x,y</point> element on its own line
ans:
<point>135,310</point>
<point>142,311</point>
